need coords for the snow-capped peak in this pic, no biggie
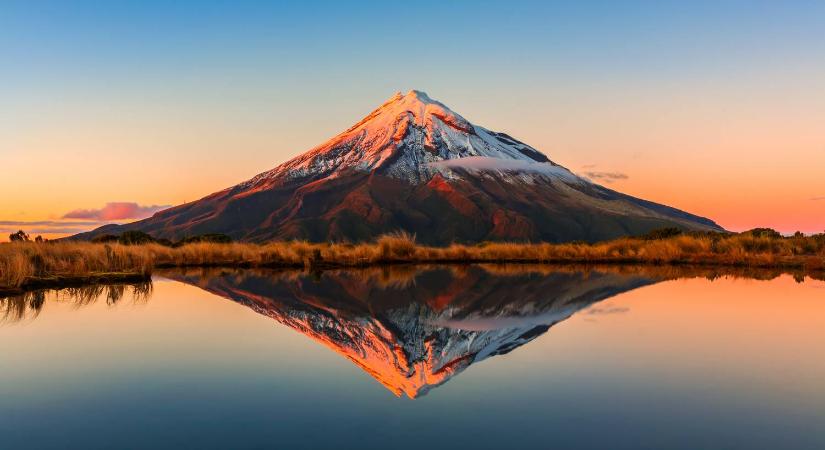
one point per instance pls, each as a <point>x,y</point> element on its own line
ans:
<point>413,164</point>
<point>407,137</point>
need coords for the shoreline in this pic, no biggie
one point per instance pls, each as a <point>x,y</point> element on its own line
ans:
<point>28,266</point>
<point>60,282</point>
<point>692,269</point>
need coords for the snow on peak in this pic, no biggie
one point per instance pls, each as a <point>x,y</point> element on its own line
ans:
<point>403,138</point>
<point>414,105</point>
<point>419,94</point>
<point>413,95</point>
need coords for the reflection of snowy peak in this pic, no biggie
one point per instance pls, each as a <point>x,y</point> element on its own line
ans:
<point>416,334</point>
<point>413,164</point>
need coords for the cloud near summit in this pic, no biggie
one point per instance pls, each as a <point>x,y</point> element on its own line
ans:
<point>116,211</point>
<point>607,177</point>
<point>484,163</point>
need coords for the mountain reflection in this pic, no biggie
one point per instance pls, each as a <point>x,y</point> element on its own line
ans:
<point>414,328</point>
<point>411,328</point>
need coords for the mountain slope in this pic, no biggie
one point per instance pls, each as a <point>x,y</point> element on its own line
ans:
<point>416,165</point>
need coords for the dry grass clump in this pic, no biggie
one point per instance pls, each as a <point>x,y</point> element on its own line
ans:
<point>397,245</point>
<point>22,262</point>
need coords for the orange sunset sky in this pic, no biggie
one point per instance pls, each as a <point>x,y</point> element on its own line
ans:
<point>717,108</point>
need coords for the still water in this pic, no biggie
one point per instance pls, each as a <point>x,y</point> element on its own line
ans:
<point>425,357</point>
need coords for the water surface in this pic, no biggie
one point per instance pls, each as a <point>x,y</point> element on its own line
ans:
<point>403,357</point>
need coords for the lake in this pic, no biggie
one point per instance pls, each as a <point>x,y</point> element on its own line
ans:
<point>419,357</point>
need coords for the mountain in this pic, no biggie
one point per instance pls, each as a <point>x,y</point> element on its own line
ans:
<point>413,329</point>
<point>413,164</point>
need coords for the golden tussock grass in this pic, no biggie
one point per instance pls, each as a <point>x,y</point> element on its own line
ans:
<point>24,263</point>
<point>20,263</point>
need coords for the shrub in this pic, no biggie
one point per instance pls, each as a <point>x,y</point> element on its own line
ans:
<point>135,238</point>
<point>217,238</point>
<point>764,233</point>
<point>105,238</point>
<point>20,236</point>
<point>662,233</point>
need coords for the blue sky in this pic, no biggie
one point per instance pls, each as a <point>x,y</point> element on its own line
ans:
<point>100,46</point>
<point>223,90</point>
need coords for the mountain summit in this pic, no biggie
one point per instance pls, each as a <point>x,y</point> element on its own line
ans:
<point>414,164</point>
<point>404,138</point>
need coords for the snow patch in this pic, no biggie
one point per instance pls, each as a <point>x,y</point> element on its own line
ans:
<point>412,136</point>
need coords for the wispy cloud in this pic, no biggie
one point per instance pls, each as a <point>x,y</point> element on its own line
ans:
<point>81,220</point>
<point>45,223</point>
<point>483,163</point>
<point>116,211</point>
<point>816,199</point>
<point>47,226</point>
<point>609,309</point>
<point>607,177</point>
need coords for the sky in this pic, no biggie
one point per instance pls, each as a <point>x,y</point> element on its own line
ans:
<point>113,110</point>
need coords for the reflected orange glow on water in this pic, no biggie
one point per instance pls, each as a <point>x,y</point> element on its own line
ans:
<point>413,329</point>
